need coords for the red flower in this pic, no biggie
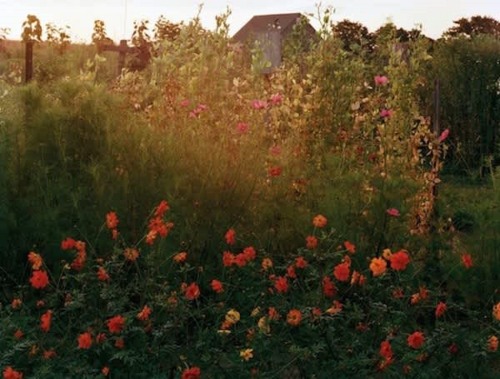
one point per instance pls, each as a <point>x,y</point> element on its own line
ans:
<point>328,287</point>
<point>399,260</point>
<point>192,292</point>
<point>275,171</point>
<point>49,354</point>
<point>68,243</point>
<point>290,272</point>
<point>111,220</point>
<point>116,324</point>
<point>10,373</point>
<point>144,314</point>
<point>311,242</point>
<point>440,309</point>
<point>39,279</point>
<point>217,286</point>
<point>281,284</point>
<point>45,321</point>
<point>467,261</point>
<point>250,253</point>
<point>162,208</point>
<point>230,237</point>
<point>240,260</point>
<point>191,373</point>
<point>228,259</point>
<point>350,247</point>
<point>85,341</point>
<point>342,271</point>
<point>180,257</point>
<point>102,274</point>
<point>416,340</point>
<point>120,343</point>
<point>300,262</point>
<point>18,334</point>
<point>386,350</point>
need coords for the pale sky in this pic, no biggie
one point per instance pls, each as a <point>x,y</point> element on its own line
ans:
<point>435,16</point>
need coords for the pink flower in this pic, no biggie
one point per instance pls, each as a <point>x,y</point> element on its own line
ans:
<point>386,113</point>
<point>393,212</point>
<point>184,103</point>
<point>242,127</point>
<point>276,99</point>
<point>381,80</point>
<point>275,150</point>
<point>444,135</point>
<point>275,171</point>
<point>259,104</point>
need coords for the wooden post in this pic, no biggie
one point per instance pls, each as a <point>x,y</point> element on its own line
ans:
<point>122,50</point>
<point>28,60</point>
<point>435,121</point>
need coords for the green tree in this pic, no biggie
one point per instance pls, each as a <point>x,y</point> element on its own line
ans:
<point>474,26</point>
<point>354,35</point>
<point>58,37</point>
<point>166,30</point>
<point>32,29</point>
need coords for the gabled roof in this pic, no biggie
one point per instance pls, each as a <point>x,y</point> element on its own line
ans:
<point>260,24</point>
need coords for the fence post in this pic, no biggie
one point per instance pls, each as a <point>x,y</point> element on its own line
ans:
<point>28,60</point>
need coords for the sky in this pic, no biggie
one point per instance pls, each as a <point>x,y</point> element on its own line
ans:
<point>435,16</point>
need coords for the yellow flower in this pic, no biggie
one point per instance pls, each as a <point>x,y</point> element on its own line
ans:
<point>387,254</point>
<point>255,312</point>
<point>246,354</point>
<point>232,316</point>
<point>263,325</point>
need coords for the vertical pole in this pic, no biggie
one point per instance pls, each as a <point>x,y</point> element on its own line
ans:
<point>435,123</point>
<point>122,50</point>
<point>28,60</point>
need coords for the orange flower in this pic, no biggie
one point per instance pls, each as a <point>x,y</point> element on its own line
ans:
<point>116,324</point>
<point>281,284</point>
<point>496,311</point>
<point>102,274</point>
<point>311,242</point>
<point>131,254</point>
<point>300,262</point>
<point>440,309</point>
<point>45,321</point>
<point>350,247</point>
<point>335,308</point>
<point>342,272</point>
<point>493,343</point>
<point>105,371</point>
<point>180,257</point>
<point>192,291</point>
<point>35,260</point>
<point>10,373</point>
<point>399,260</point>
<point>39,279</point>
<point>16,303</point>
<point>230,237</point>
<point>416,340</point>
<point>266,264</point>
<point>85,341</point>
<point>328,287</point>
<point>386,350</point>
<point>467,261</point>
<point>228,259</point>
<point>144,314</point>
<point>217,286</point>
<point>378,266</point>
<point>112,220</point>
<point>398,293</point>
<point>319,221</point>
<point>294,317</point>
<point>191,373</point>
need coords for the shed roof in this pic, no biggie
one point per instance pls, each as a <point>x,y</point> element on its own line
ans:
<point>262,23</point>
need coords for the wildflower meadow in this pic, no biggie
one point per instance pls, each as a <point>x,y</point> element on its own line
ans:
<point>200,219</point>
